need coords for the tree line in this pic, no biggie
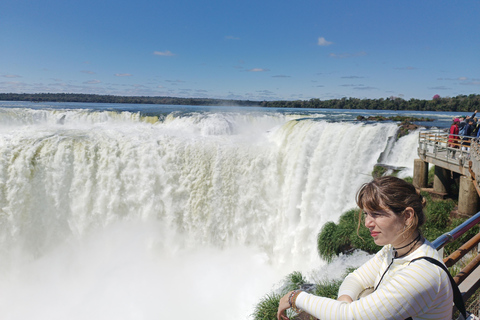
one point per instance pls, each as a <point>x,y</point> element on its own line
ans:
<point>79,97</point>
<point>460,103</point>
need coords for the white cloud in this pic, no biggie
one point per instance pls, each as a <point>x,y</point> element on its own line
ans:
<point>470,83</point>
<point>462,78</point>
<point>92,82</point>
<point>11,76</point>
<point>258,70</point>
<point>353,77</point>
<point>12,83</point>
<point>164,53</point>
<point>439,88</point>
<point>362,87</point>
<point>323,42</point>
<point>123,75</point>
<point>232,38</point>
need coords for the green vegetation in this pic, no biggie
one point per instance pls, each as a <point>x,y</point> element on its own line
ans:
<point>394,118</point>
<point>294,281</point>
<point>405,125</point>
<point>267,308</point>
<point>378,171</point>
<point>335,238</point>
<point>328,288</point>
<point>77,97</point>
<point>460,103</point>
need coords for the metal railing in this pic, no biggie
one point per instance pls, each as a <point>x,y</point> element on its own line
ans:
<point>452,148</point>
<point>456,233</point>
<point>467,247</point>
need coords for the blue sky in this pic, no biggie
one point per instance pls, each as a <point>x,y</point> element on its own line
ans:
<point>256,50</point>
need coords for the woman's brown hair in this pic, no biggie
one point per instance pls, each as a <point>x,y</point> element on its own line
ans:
<point>394,194</point>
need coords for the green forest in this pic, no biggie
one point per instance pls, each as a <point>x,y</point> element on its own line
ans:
<point>460,103</point>
<point>94,98</point>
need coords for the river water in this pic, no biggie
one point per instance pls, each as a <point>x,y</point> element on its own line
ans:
<point>174,212</point>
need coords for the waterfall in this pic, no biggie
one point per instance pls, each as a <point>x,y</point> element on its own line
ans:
<point>116,214</point>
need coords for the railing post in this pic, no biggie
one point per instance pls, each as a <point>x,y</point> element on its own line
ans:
<point>468,199</point>
<point>420,173</point>
<point>441,180</point>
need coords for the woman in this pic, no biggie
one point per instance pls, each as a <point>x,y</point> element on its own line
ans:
<point>393,212</point>
<point>453,139</point>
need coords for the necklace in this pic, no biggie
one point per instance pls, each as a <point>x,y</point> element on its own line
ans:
<point>406,253</point>
<point>396,257</point>
<point>414,240</point>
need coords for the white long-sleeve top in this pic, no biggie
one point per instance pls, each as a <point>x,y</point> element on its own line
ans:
<point>420,290</point>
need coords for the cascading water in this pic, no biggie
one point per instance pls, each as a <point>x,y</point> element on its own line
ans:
<point>111,214</point>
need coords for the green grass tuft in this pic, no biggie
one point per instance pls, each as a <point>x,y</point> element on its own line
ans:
<point>267,308</point>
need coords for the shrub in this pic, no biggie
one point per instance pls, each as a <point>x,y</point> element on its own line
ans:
<point>378,171</point>
<point>334,239</point>
<point>327,242</point>
<point>408,179</point>
<point>293,281</point>
<point>328,288</point>
<point>267,308</point>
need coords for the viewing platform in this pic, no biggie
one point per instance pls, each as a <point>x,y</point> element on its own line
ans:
<point>458,158</point>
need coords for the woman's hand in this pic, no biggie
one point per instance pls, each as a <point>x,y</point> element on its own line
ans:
<point>283,306</point>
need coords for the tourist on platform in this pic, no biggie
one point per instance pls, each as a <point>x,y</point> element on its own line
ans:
<point>467,135</point>
<point>453,139</point>
<point>476,127</point>
<point>400,288</point>
<point>463,123</point>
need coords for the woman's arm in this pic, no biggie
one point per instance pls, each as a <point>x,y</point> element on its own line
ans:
<point>415,290</point>
<point>363,277</point>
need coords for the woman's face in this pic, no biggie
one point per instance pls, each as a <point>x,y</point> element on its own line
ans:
<point>385,227</point>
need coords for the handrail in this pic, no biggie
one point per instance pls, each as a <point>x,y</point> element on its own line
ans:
<point>454,257</point>
<point>449,261</point>
<point>454,234</point>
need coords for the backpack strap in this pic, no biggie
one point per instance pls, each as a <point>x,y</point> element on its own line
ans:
<point>457,296</point>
